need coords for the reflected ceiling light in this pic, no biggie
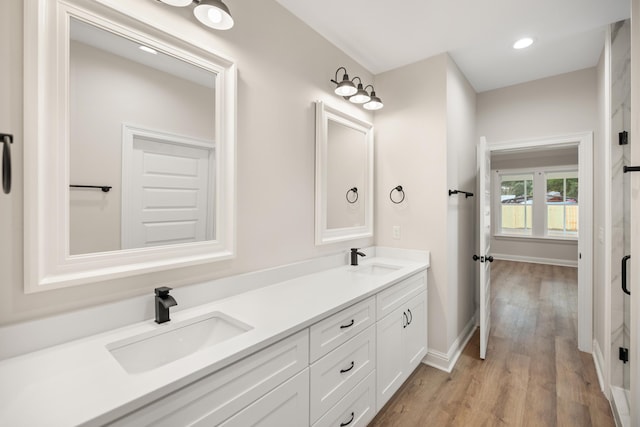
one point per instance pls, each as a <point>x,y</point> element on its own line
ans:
<point>346,86</point>
<point>523,43</point>
<point>374,103</point>
<point>361,95</point>
<point>357,95</point>
<point>148,49</point>
<point>178,3</point>
<point>212,13</point>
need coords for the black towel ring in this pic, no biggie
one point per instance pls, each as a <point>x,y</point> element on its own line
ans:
<point>399,190</point>
<point>353,190</point>
<point>6,139</point>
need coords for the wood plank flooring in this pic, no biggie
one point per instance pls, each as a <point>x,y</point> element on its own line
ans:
<point>534,374</point>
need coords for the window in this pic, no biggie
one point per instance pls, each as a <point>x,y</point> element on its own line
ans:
<point>516,203</point>
<point>537,203</point>
<point>562,203</point>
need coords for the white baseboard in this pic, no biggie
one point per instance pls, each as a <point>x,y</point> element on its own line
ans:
<point>536,260</point>
<point>447,361</point>
<point>598,361</point>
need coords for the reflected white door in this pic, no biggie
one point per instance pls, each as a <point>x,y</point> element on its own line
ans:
<point>168,195</point>
<point>483,256</point>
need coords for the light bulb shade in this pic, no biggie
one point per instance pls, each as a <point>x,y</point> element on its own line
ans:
<point>214,14</point>
<point>346,87</point>
<point>361,96</point>
<point>178,3</point>
<point>374,104</point>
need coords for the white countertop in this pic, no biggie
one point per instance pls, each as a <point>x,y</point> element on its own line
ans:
<point>80,382</point>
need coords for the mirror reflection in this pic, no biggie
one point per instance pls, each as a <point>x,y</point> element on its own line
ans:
<point>347,160</point>
<point>143,123</point>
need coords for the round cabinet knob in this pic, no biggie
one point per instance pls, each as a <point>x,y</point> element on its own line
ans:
<point>489,258</point>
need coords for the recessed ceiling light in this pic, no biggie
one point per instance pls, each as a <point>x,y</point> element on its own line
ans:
<point>523,43</point>
<point>148,50</point>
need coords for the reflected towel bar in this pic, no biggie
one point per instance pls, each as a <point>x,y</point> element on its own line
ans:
<point>104,188</point>
<point>466,193</point>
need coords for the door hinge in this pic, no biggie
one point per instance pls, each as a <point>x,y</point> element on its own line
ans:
<point>623,137</point>
<point>623,354</point>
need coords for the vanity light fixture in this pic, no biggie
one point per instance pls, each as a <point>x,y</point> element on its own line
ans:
<point>523,43</point>
<point>346,86</point>
<point>357,95</point>
<point>374,103</point>
<point>211,13</point>
<point>361,95</point>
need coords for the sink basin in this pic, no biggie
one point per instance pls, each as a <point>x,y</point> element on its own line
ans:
<point>377,269</point>
<point>173,341</point>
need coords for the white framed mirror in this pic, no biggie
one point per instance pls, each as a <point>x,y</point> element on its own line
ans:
<point>344,176</point>
<point>129,147</point>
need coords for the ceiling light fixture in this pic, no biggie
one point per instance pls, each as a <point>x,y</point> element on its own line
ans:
<point>523,43</point>
<point>357,95</point>
<point>148,49</point>
<point>211,13</point>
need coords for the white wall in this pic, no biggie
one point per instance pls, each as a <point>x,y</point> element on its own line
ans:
<point>556,105</point>
<point>281,63</point>
<point>425,142</point>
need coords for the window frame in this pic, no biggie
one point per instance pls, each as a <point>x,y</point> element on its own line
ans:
<point>539,210</point>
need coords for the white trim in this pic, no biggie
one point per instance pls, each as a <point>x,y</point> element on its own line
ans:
<point>598,361</point>
<point>541,239</point>
<point>323,234</point>
<point>47,262</point>
<point>536,260</point>
<point>447,361</point>
<point>584,140</point>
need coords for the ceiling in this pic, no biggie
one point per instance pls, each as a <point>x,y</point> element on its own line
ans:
<point>383,35</point>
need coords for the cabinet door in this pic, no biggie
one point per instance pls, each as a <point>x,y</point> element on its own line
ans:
<point>287,405</point>
<point>415,334</point>
<point>390,370</point>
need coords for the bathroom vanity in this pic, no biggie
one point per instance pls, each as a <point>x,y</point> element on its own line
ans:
<point>327,348</point>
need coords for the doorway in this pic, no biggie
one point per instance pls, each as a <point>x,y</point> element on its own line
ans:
<point>583,142</point>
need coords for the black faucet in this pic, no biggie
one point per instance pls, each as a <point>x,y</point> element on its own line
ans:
<point>354,255</point>
<point>163,302</point>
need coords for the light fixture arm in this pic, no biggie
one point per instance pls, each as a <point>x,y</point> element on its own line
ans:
<point>335,80</point>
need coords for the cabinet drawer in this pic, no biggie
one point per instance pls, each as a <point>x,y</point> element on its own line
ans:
<point>391,298</point>
<point>224,393</point>
<point>333,331</point>
<point>286,405</point>
<point>333,376</point>
<point>357,408</point>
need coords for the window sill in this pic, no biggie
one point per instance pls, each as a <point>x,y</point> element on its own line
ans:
<point>554,239</point>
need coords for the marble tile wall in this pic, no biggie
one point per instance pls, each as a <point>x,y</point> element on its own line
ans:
<point>620,209</point>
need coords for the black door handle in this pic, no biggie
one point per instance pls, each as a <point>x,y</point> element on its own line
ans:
<point>624,274</point>
<point>347,326</point>
<point>476,258</point>
<point>6,139</point>
<point>489,258</point>
<point>405,322</point>
<point>348,422</point>
<point>342,371</point>
<point>410,314</point>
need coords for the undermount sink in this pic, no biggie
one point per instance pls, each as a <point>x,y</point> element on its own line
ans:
<point>170,342</point>
<point>377,269</point>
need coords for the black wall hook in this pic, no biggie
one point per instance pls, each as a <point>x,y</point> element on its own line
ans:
<point>466,193</point>
<point>6,140</point>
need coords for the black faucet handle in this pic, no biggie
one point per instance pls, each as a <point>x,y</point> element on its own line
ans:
<point>162,291</point>
<point>355,249</point>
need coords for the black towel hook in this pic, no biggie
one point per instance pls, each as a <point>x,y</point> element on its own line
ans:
<point>399,190</point>
<point>6,139</point>
<point>353,190</point>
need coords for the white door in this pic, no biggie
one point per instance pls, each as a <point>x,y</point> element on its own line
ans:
<point>483,256</point>
<point>169,194</point>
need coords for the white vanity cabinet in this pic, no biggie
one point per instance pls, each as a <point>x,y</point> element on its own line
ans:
<point>268,388</point>
<point>340,378</point>
<point>401,334</point>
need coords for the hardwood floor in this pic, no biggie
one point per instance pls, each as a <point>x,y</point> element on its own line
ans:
<point>534,374</point>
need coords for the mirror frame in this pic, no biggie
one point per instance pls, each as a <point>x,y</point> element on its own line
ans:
<point>324,235</point>
<point>47,262</point>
